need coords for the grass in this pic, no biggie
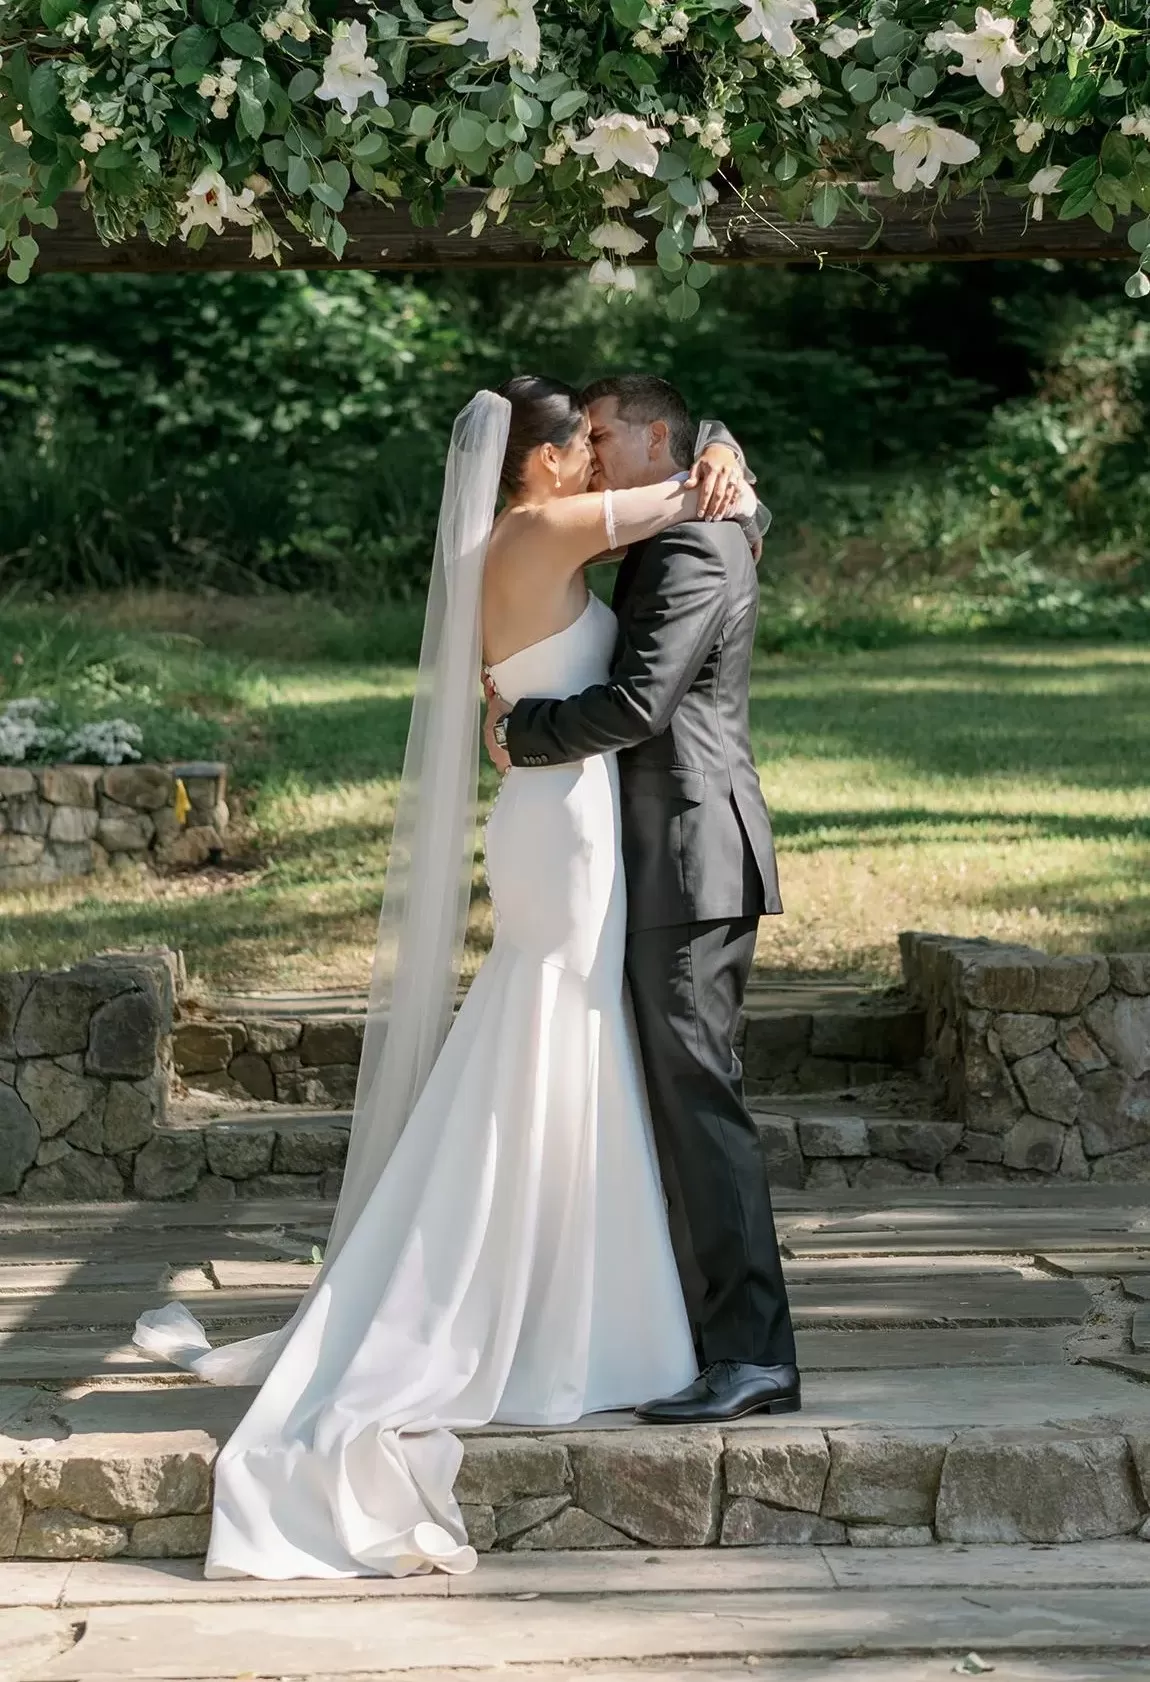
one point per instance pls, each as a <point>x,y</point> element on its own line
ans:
<point>978,787</point>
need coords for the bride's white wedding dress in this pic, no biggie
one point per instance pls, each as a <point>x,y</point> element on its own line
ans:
<point>513,1262</point>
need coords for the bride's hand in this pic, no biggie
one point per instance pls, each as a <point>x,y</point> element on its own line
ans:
<point>718,478</point>
<point>497,708</point>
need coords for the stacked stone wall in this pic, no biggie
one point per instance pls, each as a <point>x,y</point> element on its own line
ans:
<point>60,821</point>
<point>1045,1061</point>
<point>84,1075</point>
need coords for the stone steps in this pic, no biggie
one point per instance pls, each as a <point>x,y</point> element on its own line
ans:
<point>305,1049</point>
<point>971,1367</point>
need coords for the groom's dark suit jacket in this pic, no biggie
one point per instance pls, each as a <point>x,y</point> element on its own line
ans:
<point>697,839</point>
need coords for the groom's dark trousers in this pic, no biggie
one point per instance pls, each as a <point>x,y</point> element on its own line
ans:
<point>701,870</point>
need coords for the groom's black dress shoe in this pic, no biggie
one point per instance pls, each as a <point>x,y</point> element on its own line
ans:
<point>728,1390</point>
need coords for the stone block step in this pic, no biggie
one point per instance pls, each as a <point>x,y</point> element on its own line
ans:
<point>296,1048</point>
<point>127,1472</point>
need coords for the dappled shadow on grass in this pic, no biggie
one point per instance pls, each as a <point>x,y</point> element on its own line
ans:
<point>1111,903</point>
<point>1086,725</point>
<point>895,826</point>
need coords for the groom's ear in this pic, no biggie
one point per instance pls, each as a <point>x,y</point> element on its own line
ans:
<point>658,434</point>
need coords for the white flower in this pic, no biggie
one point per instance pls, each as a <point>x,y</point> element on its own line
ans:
<point>622,139</point>
<point>839,39</point>
<point>920,147</point>
<point>709,192</point>
<point>21,133</point>
<point>1046,181</point>
<point>555,153</point>
<point>498,199</point>
<point>680,20</point>
<point>987,51</point>
<point>1136,123</point>
<point>81,112</point>
<point>478,223</point>
<point>271,29</point>
<point>797,93</point>
<point>601,273</point>
<point>626,279</point>
<point>691,126</point>
<point>505,27</point>
<point>107,743</point>
<point>265,241</point>
<point>92,141</point>
<point>211,201</point>
<point>349,72</point>
<point>672,36</point>
<point>617,195</point>
<point>704,239</point>
<point>207,86</point>
<point>106,27</point>
<point>774,21</point>
<point>231,67</point>
<point>645,42</point>
<point>1041,19</point>
<point>616,236</point>
<point>1027,133</point>
<point>220,107</point>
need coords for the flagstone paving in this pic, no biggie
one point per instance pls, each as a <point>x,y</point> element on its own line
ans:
<point>976,1369</point>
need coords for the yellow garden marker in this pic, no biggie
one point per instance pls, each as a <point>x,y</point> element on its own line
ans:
<point>183,804</point>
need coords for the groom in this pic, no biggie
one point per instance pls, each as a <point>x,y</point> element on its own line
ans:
<point>700,867</point>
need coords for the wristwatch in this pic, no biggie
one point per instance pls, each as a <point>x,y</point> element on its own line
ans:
<point>499,732</point>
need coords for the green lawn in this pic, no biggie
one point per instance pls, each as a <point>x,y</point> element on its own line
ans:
<point>981,788</point>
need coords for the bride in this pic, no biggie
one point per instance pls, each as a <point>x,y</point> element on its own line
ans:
<point>500,1248</point>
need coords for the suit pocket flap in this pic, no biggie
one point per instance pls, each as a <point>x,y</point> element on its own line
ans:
<point>668,782</point>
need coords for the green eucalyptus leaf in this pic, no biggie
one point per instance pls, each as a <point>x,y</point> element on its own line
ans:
<point>423,121</point>
<point>682,303</point>
<point>1116,154</point>
<point>1103,216</point>
<point>327,195</point>
<point>825,205</point>
<point>1139,235</point>
<point>922,80</point>
<point>629,13</point>
<point>505,175</point>
<point>890,39</point>
<point>370,146</point>
<point>671,166</point>
<point>862,85</point>
<point>786,167</point>
<point>363,175</point>
<point>276,155</point>
<point>466,134</point>
<point>54,12</point>
<point>699,274</point>
<point>523,167</point>
<point>566,174</point>
<point>1138,285</point>
<point>336,175</point>
<point>568,103</point>
<point>302,85</point>
<point>549,87</point>
<point>684,191</point>
<point>439,154</point>
<point>1073,205</point>
<point>251,114</point>
<point>43,89</point>
<point>217,12</point>
<point>243,39</point>
<point>298,175</point>
<point>192,50</point>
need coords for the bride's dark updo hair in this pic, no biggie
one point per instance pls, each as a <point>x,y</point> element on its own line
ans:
<point>542,412</point>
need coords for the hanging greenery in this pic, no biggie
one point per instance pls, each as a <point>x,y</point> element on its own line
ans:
<point>609,129</point>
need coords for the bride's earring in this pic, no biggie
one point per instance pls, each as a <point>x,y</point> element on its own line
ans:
<point>558,481</point>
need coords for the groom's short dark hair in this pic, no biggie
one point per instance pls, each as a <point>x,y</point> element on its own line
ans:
<point>642,398</point>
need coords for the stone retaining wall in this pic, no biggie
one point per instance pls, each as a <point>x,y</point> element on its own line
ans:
<point>1044,1061</point>
<point>84,1075</point>
<point>278,1060</point>
<point>754,1486</point>
<point>58,821</point>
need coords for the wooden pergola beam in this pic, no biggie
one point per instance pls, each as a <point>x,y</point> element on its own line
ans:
<point>917,229</point>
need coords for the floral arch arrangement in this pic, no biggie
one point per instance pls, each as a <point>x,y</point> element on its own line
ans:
<point>610,127</point>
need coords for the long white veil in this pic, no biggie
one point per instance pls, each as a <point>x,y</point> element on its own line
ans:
<point>423,921</point>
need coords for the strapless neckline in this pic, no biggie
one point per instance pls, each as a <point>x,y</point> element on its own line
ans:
<point>498,665</point>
